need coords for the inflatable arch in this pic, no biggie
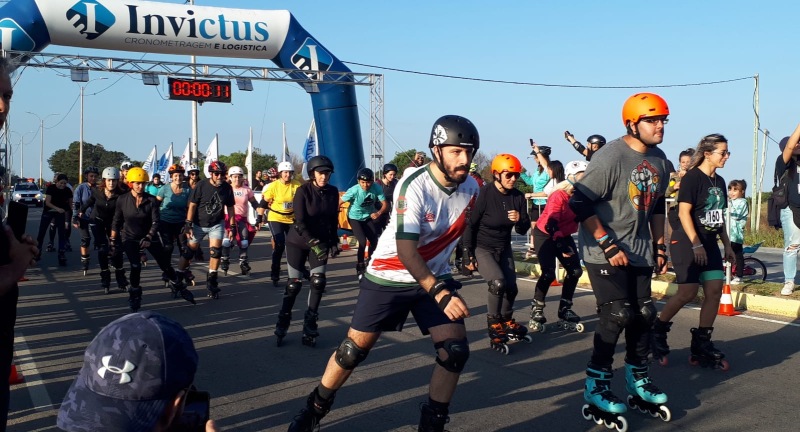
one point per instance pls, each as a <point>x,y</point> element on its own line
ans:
<point>143,26</point>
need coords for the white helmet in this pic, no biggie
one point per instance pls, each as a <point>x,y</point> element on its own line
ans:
<point>285,166</point>
<point>235,170</point>
<point>575,167</point>
<point>111,173</point>
<point>124,166</point>
<point>191,168</point>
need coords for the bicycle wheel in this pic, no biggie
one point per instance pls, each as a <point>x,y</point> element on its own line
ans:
<point>754,270</point>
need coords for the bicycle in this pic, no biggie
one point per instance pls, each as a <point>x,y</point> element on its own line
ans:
<point>754,268</point>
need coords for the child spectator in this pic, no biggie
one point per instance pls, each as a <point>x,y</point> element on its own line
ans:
<point>739,213</point>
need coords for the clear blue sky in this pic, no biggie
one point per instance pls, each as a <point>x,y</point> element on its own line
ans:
<point>592,43</point>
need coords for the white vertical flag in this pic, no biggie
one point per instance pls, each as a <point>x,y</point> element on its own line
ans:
<point>310,148</point>
<point>248,160</point>
<point>163,165</point>
<point>286,156</point>
<point>150,163</point>
<point>186,157</point>
<point>212,154</point>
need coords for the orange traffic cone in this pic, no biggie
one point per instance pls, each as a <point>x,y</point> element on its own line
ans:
<point>555,281</point>
<point>366,250</point>
<point>345,243</point>
<point>16,376</point>
<point>726,302</point>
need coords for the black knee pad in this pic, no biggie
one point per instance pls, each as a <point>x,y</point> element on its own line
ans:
<point>189,253</point>
<point>575,273</point>
<point>215,252</point>
<point>349,355</point>
<point>293,288</point>
<point>497,287</point>
<point>617,313</point>
<point>457,354</point>
<point>318,282</point>
<point>548,276</point>
<point>85,242</point>
<point>648,310</point>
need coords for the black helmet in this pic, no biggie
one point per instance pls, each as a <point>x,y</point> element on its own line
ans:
<point>217,167</point>
<point>365,174</point>
<point>596,139</point>
<point>91,169</point>
<point>389,167</point>
<point>322,163</point>
<point>454,130</point>
<point>544,151</point>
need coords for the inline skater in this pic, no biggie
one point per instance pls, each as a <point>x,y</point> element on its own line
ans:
<point>537,180</point>
<point>278,199</point>
<point>103,203</point>
<point>553,239</point>
<point>473,172</point>
<point>500,208</point>
<point>135,228</point>
<point>696,258</point>
<point>124,167</point>
<point>174,202</point>
<point>57,204</point>
<point>194,175</point>
<point>155,185</point>
<point>80,219</point>
<point>362,216</point>
<point>316,223</point>
<point>593,144</point>
<point>205,216</point>
<point>243,231</point>
<point>620,203</point>
<point>410,272</point>
<point>388,183</point>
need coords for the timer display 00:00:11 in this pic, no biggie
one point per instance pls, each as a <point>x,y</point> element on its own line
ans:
<point>199,90</point>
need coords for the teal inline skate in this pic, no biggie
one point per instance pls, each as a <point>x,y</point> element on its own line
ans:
<point>603,407</point>
<point>643,395</point>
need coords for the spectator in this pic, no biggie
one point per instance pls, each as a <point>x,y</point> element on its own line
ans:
<point>538,180</point>
<point>684,161</point>
<point>739,213</point>
<point>135,377</point>
<point>788,163</point>
<point>418,161</point>
<point>593,144</point>
<point>388,183</point>
<point>155,185</point>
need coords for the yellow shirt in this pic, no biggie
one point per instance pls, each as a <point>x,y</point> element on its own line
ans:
<point>282,196</point>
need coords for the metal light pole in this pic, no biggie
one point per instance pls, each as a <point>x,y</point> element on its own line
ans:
<point>22,151</point>
<point>80,143</point>
<point>41,144</point>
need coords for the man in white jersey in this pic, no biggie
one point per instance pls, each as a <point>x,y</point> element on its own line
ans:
<point>409,272</point>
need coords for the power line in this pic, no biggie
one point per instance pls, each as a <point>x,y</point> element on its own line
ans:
<point>522,83</point>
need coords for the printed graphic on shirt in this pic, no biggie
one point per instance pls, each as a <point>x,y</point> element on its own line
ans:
<point>214,205</point>
<point>713,217</point>
<point>643,186</point>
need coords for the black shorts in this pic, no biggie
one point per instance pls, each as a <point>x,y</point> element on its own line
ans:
<point>535,211</point>
<point>686,270</point>
<point>380,309</point>
<point>611,283</point>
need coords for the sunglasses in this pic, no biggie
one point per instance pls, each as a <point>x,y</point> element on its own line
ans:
<point>510,175</point>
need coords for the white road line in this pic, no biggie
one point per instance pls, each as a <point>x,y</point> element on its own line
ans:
<point>38,391</point>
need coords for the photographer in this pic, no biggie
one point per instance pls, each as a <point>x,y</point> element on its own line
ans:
<point>141,385</point>
<point>593,144</point>
<point>787,164</point>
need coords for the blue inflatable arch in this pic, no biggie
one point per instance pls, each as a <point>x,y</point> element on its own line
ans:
<point>142,26</point>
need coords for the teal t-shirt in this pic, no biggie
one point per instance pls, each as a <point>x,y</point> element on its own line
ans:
<point>153,189</point>
<point>174,206</point>
<point>538,180</point>
<point>363,202</point>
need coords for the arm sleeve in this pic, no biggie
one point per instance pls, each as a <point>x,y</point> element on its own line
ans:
<point>116,225</point>
<point>89,203</point>
<point>470,236</point>
<point>155,216</point>
<point>299,211</point>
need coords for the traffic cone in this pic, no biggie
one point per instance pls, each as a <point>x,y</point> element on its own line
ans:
<point>16,376</point>
<point>555,281</point>
<point>366,250</point>
<point>726,302</point>
<point>345,243</point>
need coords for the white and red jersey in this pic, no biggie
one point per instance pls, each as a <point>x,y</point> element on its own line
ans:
<point>428,212</point>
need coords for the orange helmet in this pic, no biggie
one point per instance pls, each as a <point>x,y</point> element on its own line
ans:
<point>643,105</point>
<point>506,162</point>
<point>176,168</point>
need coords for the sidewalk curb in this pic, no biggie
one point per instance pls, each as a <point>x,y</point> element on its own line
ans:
<point>784,307</point>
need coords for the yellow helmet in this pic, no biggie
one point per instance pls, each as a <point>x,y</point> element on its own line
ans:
<point>137,174</point>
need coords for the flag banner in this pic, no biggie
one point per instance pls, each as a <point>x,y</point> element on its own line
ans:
<point>212,154</point>
<point>310,148</point>
<point>186,157</point>
<point>163,165</point>
<point>149,164</point>
<point>248,160</point>
<point>286,156</point>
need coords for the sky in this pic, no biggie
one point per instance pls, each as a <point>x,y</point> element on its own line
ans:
<point>557,43</point>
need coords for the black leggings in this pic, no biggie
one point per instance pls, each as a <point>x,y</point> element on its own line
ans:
<point>58,221</point>
<point>101,233</point>
<point>132,250</point>
<point>296,258</point>
<point>170,233</point>
<point>497,268</point>
<point>738,250</point>
<point>364,231</point>
<point>548,253</point>
<point>278,231</point>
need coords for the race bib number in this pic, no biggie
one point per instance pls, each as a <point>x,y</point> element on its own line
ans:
<point>714,217</point>
<point>288,205</point>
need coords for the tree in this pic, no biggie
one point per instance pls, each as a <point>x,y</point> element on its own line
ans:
<point>403,159</point>
<point>261,162</point>
<point>67,160</point>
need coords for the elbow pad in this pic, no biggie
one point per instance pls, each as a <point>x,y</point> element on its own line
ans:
<point>582,206</point>
<point>578,147</point>
<point>661,206</point>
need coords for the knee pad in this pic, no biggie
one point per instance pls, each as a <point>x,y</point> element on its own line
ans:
<point>215,252</point>
<point>497,287</point>
<point>293,288</point>
<point>85,242</point>
<point>349,355</point>
<point>188,253</point>
<point>618,313</point>
<point>457,354</point>
<point>648,310</point>
<point>244,244</point>
<point>548,276</point>
<point>318,282</point>
<point>226,243</point>
<point>575,273</point>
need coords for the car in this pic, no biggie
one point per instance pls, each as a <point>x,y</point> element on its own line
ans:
<point>27,193</point>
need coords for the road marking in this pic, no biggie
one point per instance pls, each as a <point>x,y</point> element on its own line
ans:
<point>33,381</point>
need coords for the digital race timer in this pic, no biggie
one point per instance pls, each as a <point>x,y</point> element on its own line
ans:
<point>199,90</point>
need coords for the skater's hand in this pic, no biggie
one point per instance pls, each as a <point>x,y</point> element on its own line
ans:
<point>21,251</point>
<point>230,234</point>
<point>700,255</point>
<point>730,256</point>
<point>211,426</point>
<point>144,243</point>
<point>334,252</point>
<point>618,259</point>
<point>513,216</point>
<point>188,230</point>
<point>75,222</point>
<point>455,308</point>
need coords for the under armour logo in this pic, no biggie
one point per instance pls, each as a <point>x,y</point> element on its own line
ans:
<point>604,272</point>
<point>124,377</point>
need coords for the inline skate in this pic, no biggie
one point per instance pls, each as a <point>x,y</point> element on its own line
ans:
<point>658,341</point>
<point>244,266</point>
<point>85,264</point>
<point>178,288</point>
<point>62,259</point>
<point>643,395</point>
<point>135,298</point>
<point>122,281</point>
<point>703,351</point>
<point>515,331</point>
<point>50,248</point>
<point>603,407</point>
<point>310,333</point>
<point>282,326</point>
<point>307,420</point>
<point>498,339</point>
<point>432,420</point>
<point>538,321</point>
<point>189,277</point>
<point>105,280</point>
<point>212,285</point>
<point>567,319</point>
<point>225,264</point>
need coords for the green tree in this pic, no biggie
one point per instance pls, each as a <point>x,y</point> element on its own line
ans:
<point>67,160</point>
<point>260,161</point>
<point>403,159</point>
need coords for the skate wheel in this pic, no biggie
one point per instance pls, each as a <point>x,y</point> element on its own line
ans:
<point>693,361</point>
<point>585,412</point>
<point>664,413</point>
<point>505,349</point>
<point>664,361</point>
<point>193,283</point>
<point>85,272</point>
<point>724,365</point>
<point>528,339</point>
<point>579,328</point>
<point>621,424</point>
<point>630,402</point>
<point>597,419</point>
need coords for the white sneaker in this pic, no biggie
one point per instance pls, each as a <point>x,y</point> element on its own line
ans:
<point>788,288</point>
<point>736,281</point>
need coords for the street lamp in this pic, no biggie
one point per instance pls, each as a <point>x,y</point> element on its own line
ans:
<point>22,151</point>
<point>41,143</point>
<point>82,75</point>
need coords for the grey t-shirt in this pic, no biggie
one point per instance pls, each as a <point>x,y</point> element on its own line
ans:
<point>624,186</point>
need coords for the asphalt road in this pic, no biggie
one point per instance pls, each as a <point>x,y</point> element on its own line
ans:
<point>257,386</point>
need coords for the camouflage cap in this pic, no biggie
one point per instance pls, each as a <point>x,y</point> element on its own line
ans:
<point>131,370</point>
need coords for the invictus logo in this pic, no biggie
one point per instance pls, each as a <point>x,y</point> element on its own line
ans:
<point>13,37</point>
<point>192,27</point>
<point>312,57</point>
<point>91,18</point>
